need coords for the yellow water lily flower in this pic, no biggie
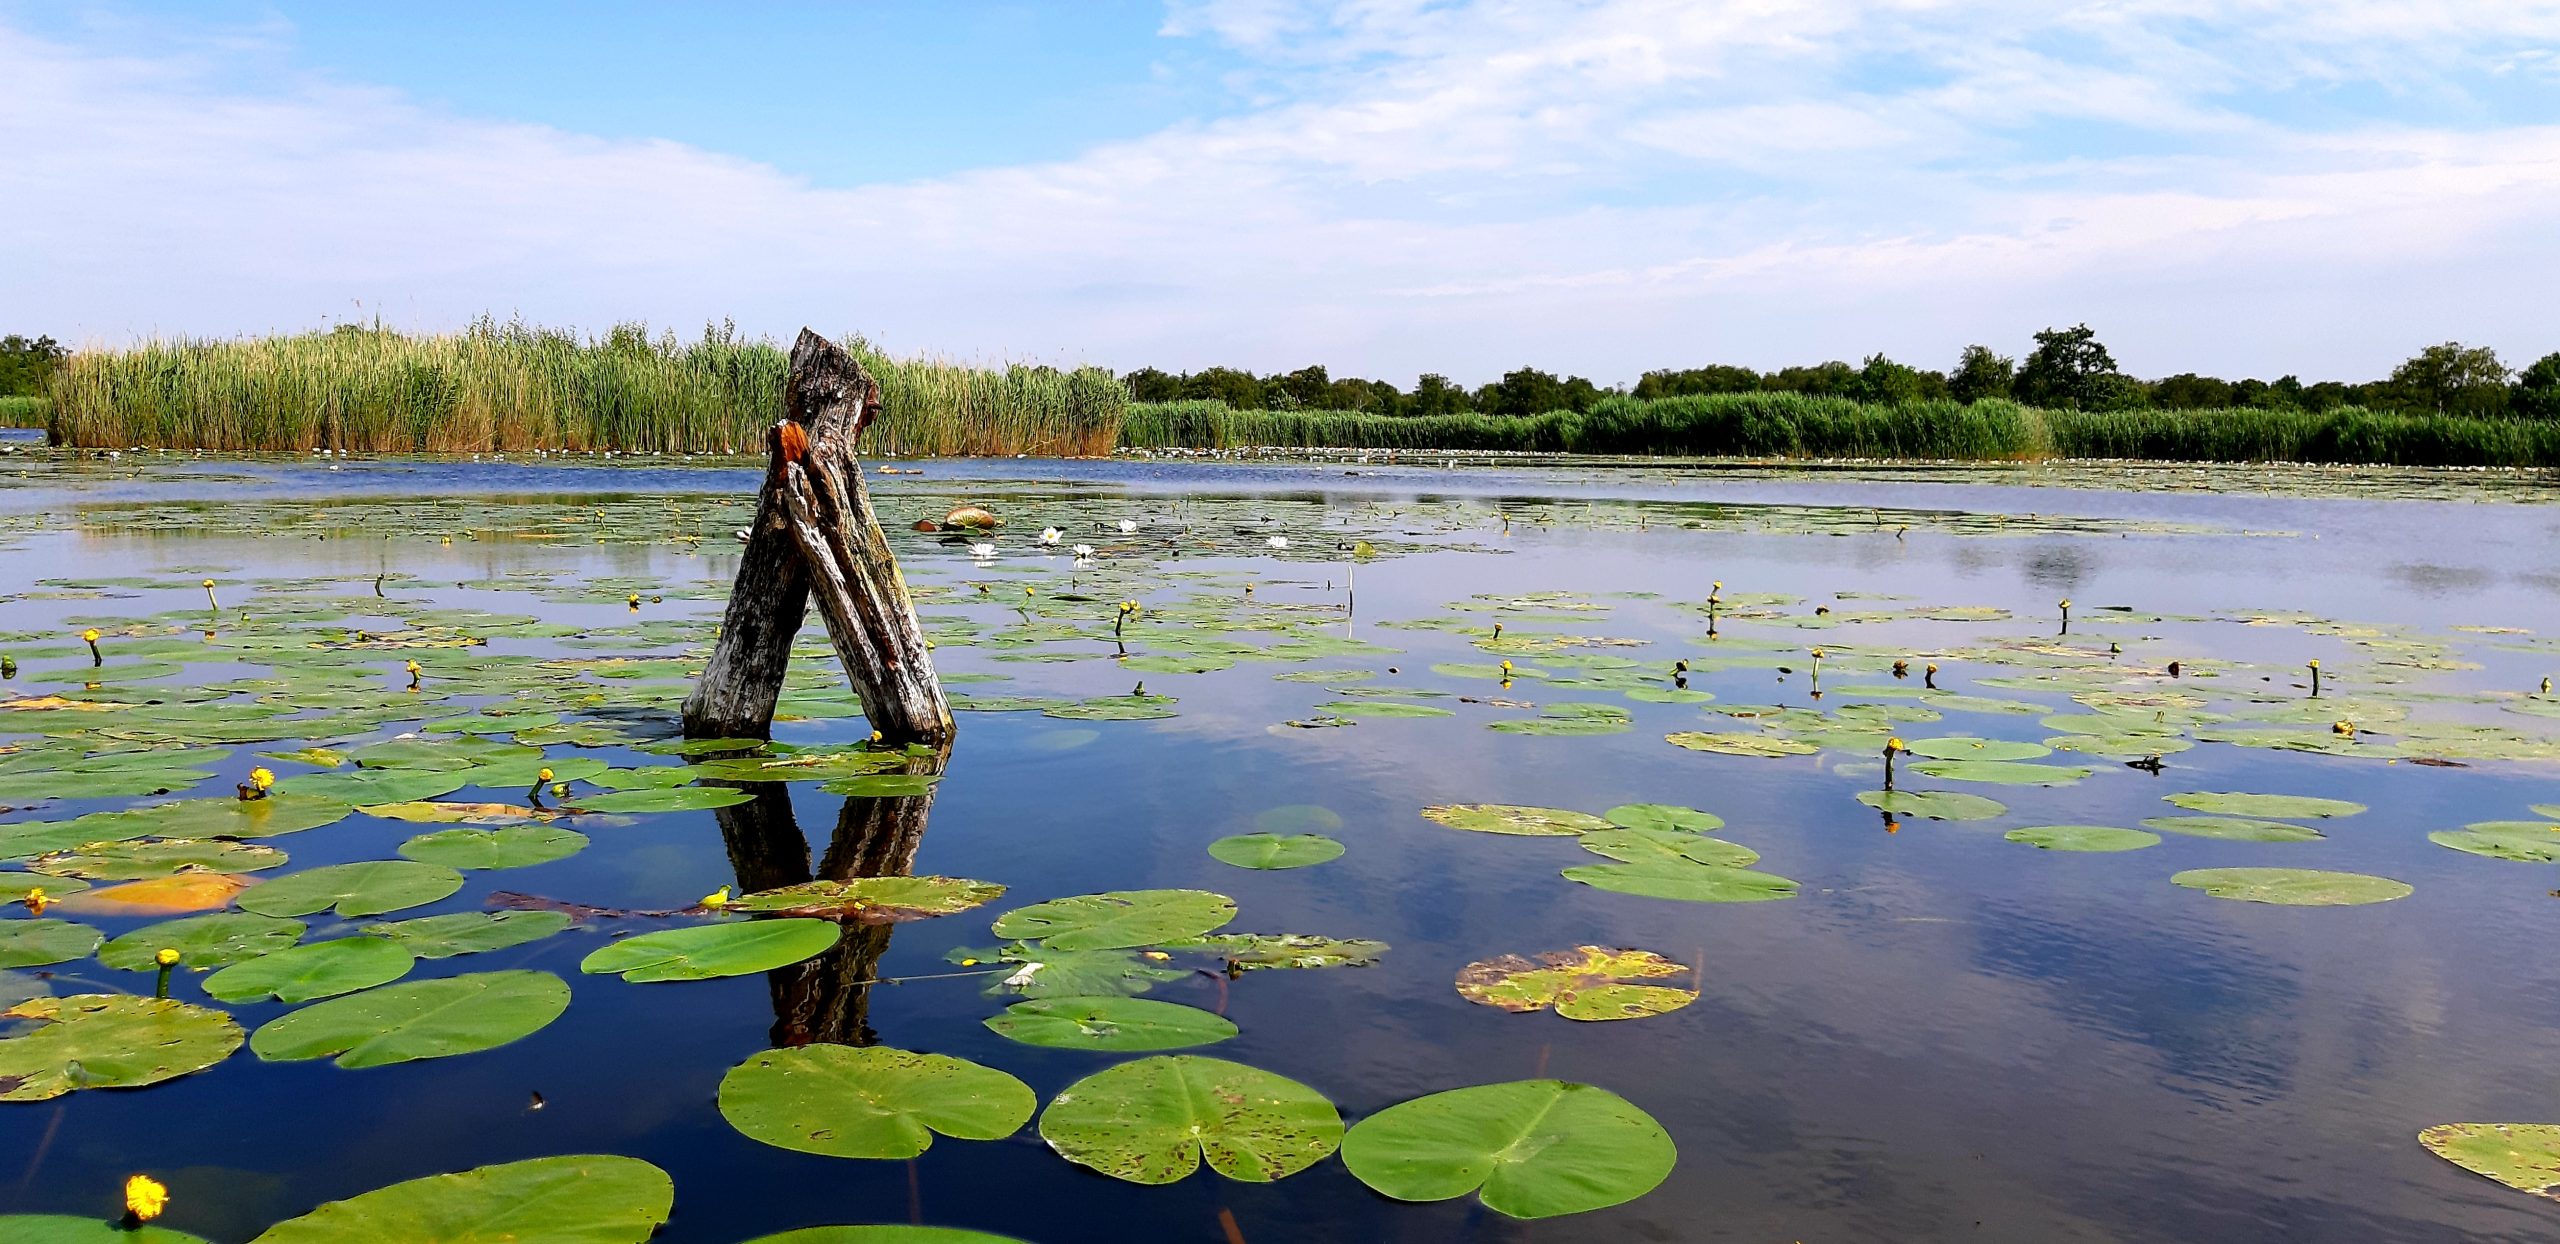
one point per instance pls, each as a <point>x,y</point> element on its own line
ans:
<point>144,1198</point>
<point>36,900</point>
<point>545,775</point>
<point>1894,745</point>
<point>262,778</point>
<point>716,899</point>
<point>90,635</point>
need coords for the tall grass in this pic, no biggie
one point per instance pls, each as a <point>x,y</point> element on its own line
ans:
<point>1792,425</point>
<point>23,412</point>
<point>514,387</point>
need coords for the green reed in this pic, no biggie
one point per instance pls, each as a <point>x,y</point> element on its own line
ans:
<point>23,412</point>
<point>513,387</point>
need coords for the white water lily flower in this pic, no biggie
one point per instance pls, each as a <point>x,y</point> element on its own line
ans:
<point>982,550</point>
<point>1278,542</point>
<point>1022,979</point>
<point>1084,550</point>
<point>1049,535</point>
<point>1128,525</point>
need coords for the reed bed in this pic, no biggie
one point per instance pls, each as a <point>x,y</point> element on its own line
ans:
<point>510,387</point>
<point>1791,425</point>
<point>24,412</point>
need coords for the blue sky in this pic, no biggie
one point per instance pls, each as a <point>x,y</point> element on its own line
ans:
<point>1385,186</point>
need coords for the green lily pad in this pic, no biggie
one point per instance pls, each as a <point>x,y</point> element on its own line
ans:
<point>872,900</point>
<point>1118,919</point>
<point>664,799</point>
<point>1935,805</point>
<point>519,846</point>
<point>1038,972</point>
<point>1532,1148</point>
<point>2083,838</point>
<point>1121,1024</point>
<point>2523,841</point>
<point>1154,1120</point>
<point>1959,748</point>
<point>2290,807</point>
<point>2292,887</point>
<point>1663,816</point>
<point>1381,708</point>
<point>1274,851</point>
<point>705,951</point>
<point>203,943</point>
<point>370,787</point>
<point>65,1229</point>
<point>1585,983</point>
<point>870,1102</point>
<point>441,753</point>
<point>579,1199</point>
<point>228,816</point>
<point>319,970</point>
<point>134,861</point>
<point>1642,846</point>
<point>367,888</point>
<point>417,1020</point>
<point>40,943</point>
<point>2523,1156</point>
<point>456,812</point>
<point>107,1041</point>
<point>470,932</point>
<point>1515,819</point>
<point>2233,828</point>
<point>1685,881</point>
<point>1245,952</point>
<point>1762,745</point>
<point>2001,772</point>
<point>15,887</point>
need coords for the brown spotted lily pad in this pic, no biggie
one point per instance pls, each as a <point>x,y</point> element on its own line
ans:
<point>872,900</point>
<point>2523,1156</point>
<point>1585,983</point>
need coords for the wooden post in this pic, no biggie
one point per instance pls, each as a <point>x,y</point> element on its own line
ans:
<point>814,535</point>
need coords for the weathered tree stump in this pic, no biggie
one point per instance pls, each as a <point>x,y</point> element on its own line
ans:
<point>814,536</point>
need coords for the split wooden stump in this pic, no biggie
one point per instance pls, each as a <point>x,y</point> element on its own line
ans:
<point>814,535</point>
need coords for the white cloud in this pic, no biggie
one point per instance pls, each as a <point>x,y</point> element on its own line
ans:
<point>1462,187</point>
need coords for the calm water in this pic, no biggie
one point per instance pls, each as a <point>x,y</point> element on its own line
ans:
<point>1945,1036</point>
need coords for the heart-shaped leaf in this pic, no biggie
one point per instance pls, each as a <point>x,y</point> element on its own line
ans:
<point>107,1041</point>
<point>1128,1025</point>
<point>1118,919</point>
<point>704,951</point>
<point>1153,1121</point>
<point>1271,852</point>
<point>1535,1148</point>
<point>367,888</point>
<point>869,1102</point>
<point>417,1020</point>
<point>319,970</point>
<point>582,1199</point>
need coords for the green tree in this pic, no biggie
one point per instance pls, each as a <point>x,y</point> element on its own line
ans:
<point>1306,386</point>
<point>25,364</point>
<point>1981,373</point>
<point>2065,369</point>
<point>1882,380</point>
<point>1714,378</point>
<point>1528,391</point>
<point>2452,379</point>
<point>1434,395</point>
<point>1150,385</point>
<point>2536,394</point>
<point>1224,384</point>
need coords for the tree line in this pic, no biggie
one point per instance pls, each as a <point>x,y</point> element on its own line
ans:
<point>24,364</point>
<point>2067,368</point>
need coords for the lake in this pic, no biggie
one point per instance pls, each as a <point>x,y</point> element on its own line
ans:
<point>1935,1033</point>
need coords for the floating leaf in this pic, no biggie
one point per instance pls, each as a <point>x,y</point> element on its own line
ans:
<point>705,951</point>
<point>2290,807</point>
<point>2001,772</point>
<point>39,943</point>
<point>367,888</point>
<point>2233,828</point>
<point>1110,1023</point>
<point>2523,841</point>
<point>520,846</point>
<point>1274,851</point>
<point>1515,819</point>
<point>2523,1156</point>
<point>1936,805</point>
<point>1586,983</point>
<point>665,799</point>
<point>457,812</point>
<point>1685,881</point>
<point>869,1102</point>
<point>228,816</point>
<point>1154,1120</point>
<point>1641,846</point>
<point>1381,708</point>
<point>1959,748</point>
<point>319,970</point>
<point>2083,838</point>
<point>470,932</point>
<point>130,861</point>
<point>421,1019</point>
<point>1762,745</point>
<point>1535,1148</point>
<point>370,786</point>
<point>203,943</point>
<point>1039,972</point>
<point>65,1229</point>
<point>581,1199</point>
<point>1663,816</point>
<point>1118,919</point>
<point>1245,952</point>
<point>107,1041</point>
<point>2292,887</point>
<point>872,900</point>
<point>16,886</point>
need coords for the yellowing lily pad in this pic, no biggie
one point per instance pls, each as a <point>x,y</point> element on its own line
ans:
<point>2523,1156</point>
<point>872,900</point>
<point>1515,819</point>
<point>1585,983</point>
<point>107,1041</point>
<point>1763,745</point>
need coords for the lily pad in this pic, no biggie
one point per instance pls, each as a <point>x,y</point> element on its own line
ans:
<point>1118,919</point>
<point>2523,1156</point>
<point>418,1020</point>
<point>65,1229</point>
<point>1663,816</point>
<point>470,932</point>
<point>1642,846</point>
<point>1585,983</point>
<point>203,943</point>
<point>367,888</point>
<point>1531,1148</point>
<point>133,861</point>
<point>1958,748</point>
<point>1685,881</point>
<point>319,970</point>
<point>1245,952</point>
<point>194,890</point>
<point>519,846</point>
<point>2293,887</point>
<point>580,1199</point>
<point>2233,828</point>
<point>228,816</point>
<point>664,799</point>
<point>15,887</point>
<point>1274,851</point>
<point>2083,838</point>
<point>458,812</point>
<point>107,1041</point>
<point>1153,1121</point>
<point>872,900</point>
<point>2524,842</point>
<point>1762,745</point>
<point>1515,819</point>
<point>2289,807</point>
<point>2001,772</point>
<point>870,1102</point>
<point>705,951</point>
<point>1121,1024</point>
<point>1935,805</point>
<point>1039,972</point>
<point>40,943</point>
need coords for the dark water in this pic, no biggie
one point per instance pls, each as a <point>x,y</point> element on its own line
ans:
<point>1946,1036</point>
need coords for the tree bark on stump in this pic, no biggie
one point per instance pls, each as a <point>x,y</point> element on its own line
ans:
<point>815,535</point>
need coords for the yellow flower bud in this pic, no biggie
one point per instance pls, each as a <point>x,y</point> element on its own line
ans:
<point>716,899</point>
<point>167,958</point>
<point>90,635</point>
<point>1894,745</point>
<point>208,583</point>
<point>545,775</point>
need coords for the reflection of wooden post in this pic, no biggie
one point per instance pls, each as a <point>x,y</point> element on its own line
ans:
<point>815,536</point>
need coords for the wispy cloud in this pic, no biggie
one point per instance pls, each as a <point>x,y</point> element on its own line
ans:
<point>1407,186</point>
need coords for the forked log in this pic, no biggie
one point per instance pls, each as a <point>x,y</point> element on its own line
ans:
<point>815,536</point>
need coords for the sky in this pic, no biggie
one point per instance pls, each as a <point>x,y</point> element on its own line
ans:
<point>1385,187</point>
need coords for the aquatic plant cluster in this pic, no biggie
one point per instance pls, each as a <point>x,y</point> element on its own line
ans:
<point>232,717</point>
